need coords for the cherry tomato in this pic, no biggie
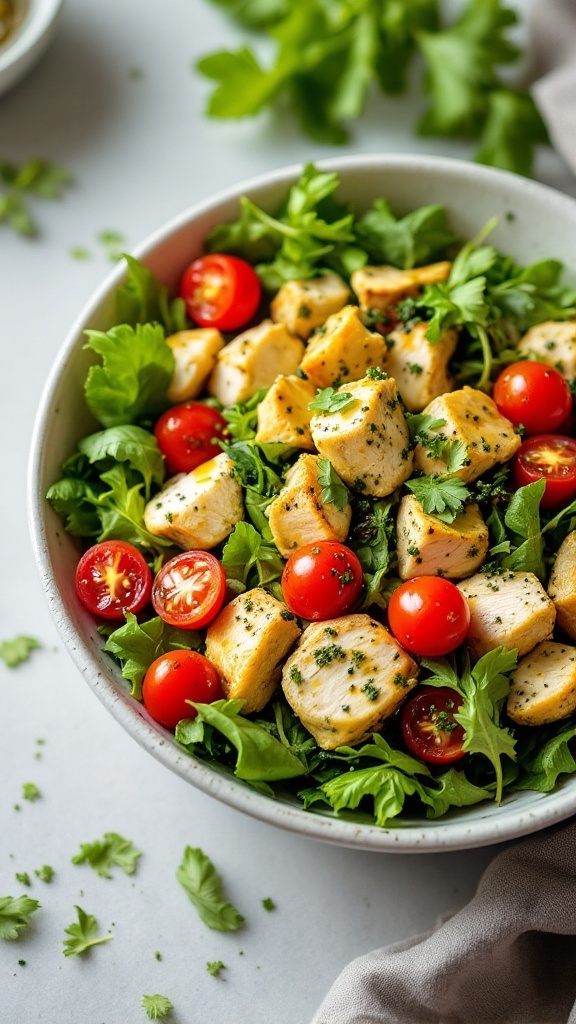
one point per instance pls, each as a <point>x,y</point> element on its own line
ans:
<point>322,580</point>
<point>113,576</point>
<point>549,457</point>
<point>428,726</point>
<point>175,678</point>
<point>429,616</point>
<point>189,590</point>
<point>533,394</point>
<point>188,435</point>
<point>220,291</point>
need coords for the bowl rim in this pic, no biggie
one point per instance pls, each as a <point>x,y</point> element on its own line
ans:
<point>506,823</point>
<point>36,23</point>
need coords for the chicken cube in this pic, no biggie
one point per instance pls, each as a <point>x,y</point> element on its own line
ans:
<point>428,547</point>
<point>562,585</point>
<point>197,510</point>
<point>555,343</point>
<point>419,367</point>
<point>304,305</point>
<point>346,676</point>
<point>299,515</point>
<point>472,417</point>
<point>511,609</point>
<point>384,286</point>
<point>247,643</point>
<point>544,685</point>
<point>195,353</point>
<point>367,441</point>
<point>342,349</point>
<point>283,413</point>
<point>252,361</point>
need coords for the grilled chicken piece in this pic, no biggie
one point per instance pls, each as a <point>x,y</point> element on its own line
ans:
<point>419,367</point>
<point>554,342</point>
<point>304,305</point>
<point>195,354</point>
<point>198,509</point>
<point>247,643</point>
<point>471,417</point>
<point>283,413</point>
<point>512,609</point>
<point>562,585</point>
<point>342,349</point>
<point>253,360</point>
<point>299,515</point>
<point>428,547</point>
<point>384,286</point>
<point>544,685</point>
<point>367,442</point>
<point>346,676</point>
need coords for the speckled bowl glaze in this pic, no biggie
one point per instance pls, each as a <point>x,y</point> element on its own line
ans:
<point>534,222</point>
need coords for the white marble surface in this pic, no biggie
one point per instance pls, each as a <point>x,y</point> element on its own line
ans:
<point>140,151</point>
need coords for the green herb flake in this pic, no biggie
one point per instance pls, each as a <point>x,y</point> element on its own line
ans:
<point>14,652</point>
<point>329,400</point>
<point>112,849</point>
<point>157,1007</point>
<point>214,967</point>
<point>15,914</point>
<point>30,791</point>
<point>45,873</point>
<point>268,904</point>
<point>23,877</point>
<point>82,934</point>
<point>203,885</point>
<point>325,655</point>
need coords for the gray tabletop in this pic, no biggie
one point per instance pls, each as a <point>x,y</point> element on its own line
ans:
<point>140,151</point>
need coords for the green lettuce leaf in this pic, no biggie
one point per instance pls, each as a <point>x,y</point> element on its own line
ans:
<point>130,444</point>
<point>545,756</point>
<point>133,381</point>
<point>141,299</point>
<point>136,645</point>
<point>249,559</point>
<point>417,238</point>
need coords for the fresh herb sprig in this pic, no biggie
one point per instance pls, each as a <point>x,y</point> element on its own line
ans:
<point>18,185</point>
<point>328,55</point>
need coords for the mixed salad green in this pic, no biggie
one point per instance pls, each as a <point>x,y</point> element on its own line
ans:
<point>490,302</point>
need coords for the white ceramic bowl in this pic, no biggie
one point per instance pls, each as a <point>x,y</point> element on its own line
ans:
<point>535,222</point>
<point>22,49</point>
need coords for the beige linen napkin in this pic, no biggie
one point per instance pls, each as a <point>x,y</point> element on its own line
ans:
<point>553,66</point>
<point>509,957</point>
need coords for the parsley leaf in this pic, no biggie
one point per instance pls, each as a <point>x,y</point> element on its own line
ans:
<point>334,490</point>
<point>214,967</point>
<point>199,878</point>
<point>15,914</point>
<point>112,849</point>
<point>372,538</point>
<point>512,128</point>
<point>34,178</point>
<point>30,791</point>
<point>330,400</point>
<point>268,904</point>
<point>248,558</point>
<point>418,237</point>
<point>137,369</point>
<point>484,689</point>
<point>136,645</point>
<point>157,1007</point>
<point>83,934</point>
<point>440,495</point>
<point>45,873</point>
<point>14,652</point>
<point>130,444</point>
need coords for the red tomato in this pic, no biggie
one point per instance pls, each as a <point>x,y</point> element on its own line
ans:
<point>175,678</point>
<point>113,576</point>
<point>188,435</point>
<point>220,291</point>
<point>322,580</point>
<point>428,726</point>
<point>429,616</point>
<point>549,457</point>
<point>189,590</point>
<point>533,394</point>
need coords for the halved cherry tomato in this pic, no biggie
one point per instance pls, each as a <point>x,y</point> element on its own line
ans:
<point>429,616</point>
<point>549,457</point>
<point>189,590</point>
<point>220,291</point>
<point>428,726</point>
<point>112,577</point>
<point>534,394</point>
<point>177,677</point>
<point>188,435</point>
<point>322,580</point>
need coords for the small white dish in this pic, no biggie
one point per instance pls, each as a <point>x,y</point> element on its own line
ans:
<point>25,46</point>
<point>534,222</point>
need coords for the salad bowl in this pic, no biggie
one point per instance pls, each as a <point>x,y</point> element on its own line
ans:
<point>533,222</point>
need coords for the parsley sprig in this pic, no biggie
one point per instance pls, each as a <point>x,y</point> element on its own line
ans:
<point>34,179</point>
